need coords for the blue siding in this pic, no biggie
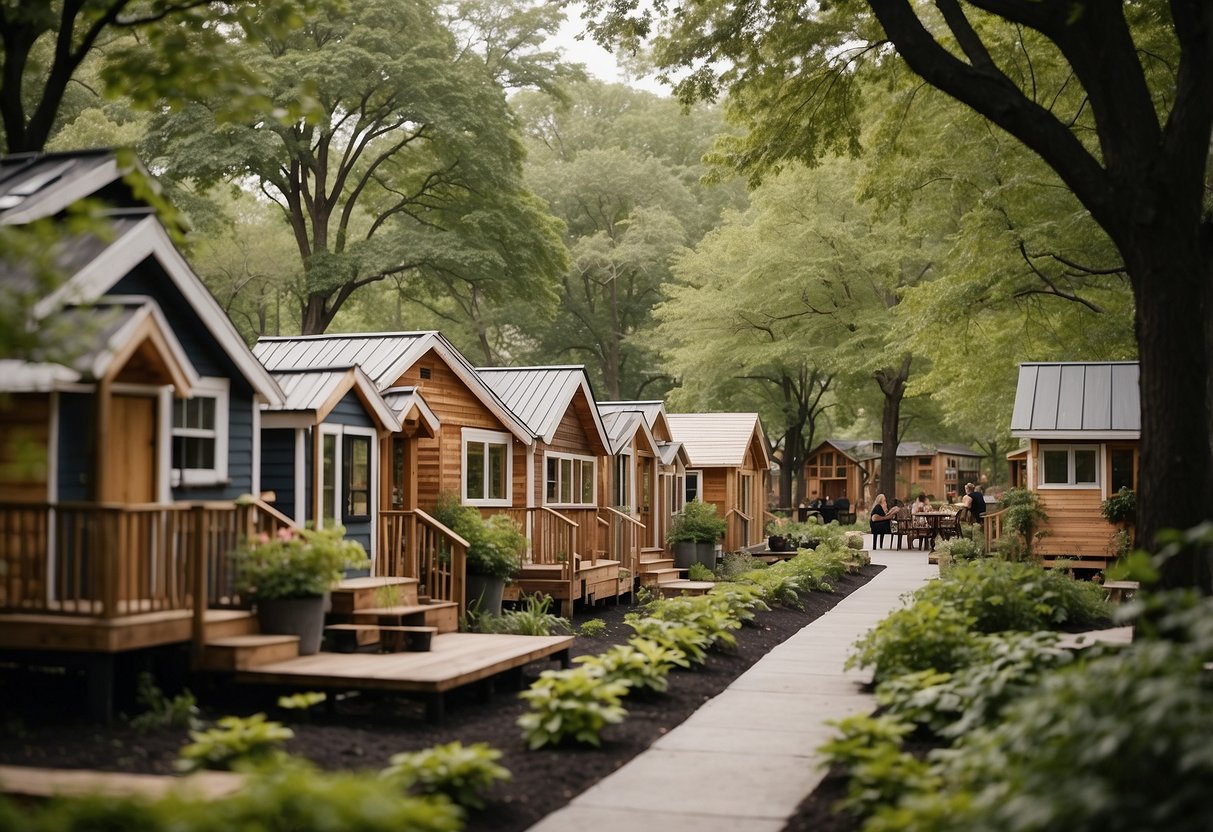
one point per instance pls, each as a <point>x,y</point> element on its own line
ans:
<point>209,359</point>
<point>350,411</point>
<point>278,467</point>
<point>308,474</point>
<point>75,446</point>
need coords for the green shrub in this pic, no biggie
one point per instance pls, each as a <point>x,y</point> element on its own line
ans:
<point>459,772</point>
<point>241,743</point>
<point>959,550</point>
<point>879,772</point>
<point>778,586</point>
<point>735,564</point>
<point>1023,516</point>
<point>676,635</point>
<point>593,628</point>
<point>710,615</point>
<point>295,563</point>
<point>302,701</point>
<point>163,713</point>
<point>699,572</point>
<point>641,664</point>
<point>533,618</point>
<point>698,523</point>
<point>495,546</point>
<point>1121,508</point>
<point>1000,596</point>
<point>743,601</point>
<point>575,704</point>
<point>924,636</point>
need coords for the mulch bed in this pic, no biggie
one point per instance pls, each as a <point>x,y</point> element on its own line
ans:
<point>38,726</point>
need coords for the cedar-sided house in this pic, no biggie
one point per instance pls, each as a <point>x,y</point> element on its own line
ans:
<point>1082,422</point>
<point>572,552</point>
<point>837,469</point>
<point>938,469</point>
<point>850,468</point>
<point>126,446</point>
<point>729,467</point>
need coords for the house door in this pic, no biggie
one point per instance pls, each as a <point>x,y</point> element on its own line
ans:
<point>131,458</point>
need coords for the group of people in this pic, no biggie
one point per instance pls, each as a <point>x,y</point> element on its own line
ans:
<point>883,512</point>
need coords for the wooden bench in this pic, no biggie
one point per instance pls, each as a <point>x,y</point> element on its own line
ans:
<point>1119,591</point>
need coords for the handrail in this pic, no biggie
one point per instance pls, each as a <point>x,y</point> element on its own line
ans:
<point>739,513</point>
<point>438,525</point>
<point>991,526</point>
<point>623,516</point>
<point>567,520</point>
<point>262,505</point>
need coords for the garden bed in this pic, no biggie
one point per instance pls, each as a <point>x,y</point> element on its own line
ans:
<point>42,726</point>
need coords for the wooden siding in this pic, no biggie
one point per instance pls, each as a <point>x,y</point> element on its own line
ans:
<point>1075,525</point>
<point>24,447</point>
<point>571,437</point>
<point>440,460</point>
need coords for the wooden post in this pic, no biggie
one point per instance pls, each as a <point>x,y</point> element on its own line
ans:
<point>108,558</point>
<point>102,404</point>
<point>199,592</point>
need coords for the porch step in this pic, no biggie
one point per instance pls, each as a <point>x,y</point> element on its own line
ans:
<point>248,651</point>
<point>348,638</point>
<point>658,577</point>
<point>672,589</point>
<point>655,564</point>
<point>355,594</point>
<point>441,614</point>
<point>230,623</point>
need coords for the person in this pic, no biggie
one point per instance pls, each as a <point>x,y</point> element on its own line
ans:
<point>975,502</point>
<point>920,505</point>
<point>881,521</point>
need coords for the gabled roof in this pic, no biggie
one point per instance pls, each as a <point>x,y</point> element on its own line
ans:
<point>141,239</point>
<point>541,396</point>
<point>856,450</point>
<point>38,185</point>
<point>318,392</point>
<point>384,356</point>
<point>671,451</point>
<point>622,427</point>
<point>409,405</point>
<point>653,411</point>
<point>1084,400</point>
<point>720,439</point>
<point>933,448</point>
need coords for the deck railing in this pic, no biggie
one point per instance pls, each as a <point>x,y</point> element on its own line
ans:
<point>623,534</point>
<point>412,544</point>
<point>109,560</point>
<point>992,527</point>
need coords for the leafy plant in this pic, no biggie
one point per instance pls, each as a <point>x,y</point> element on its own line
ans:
<point>295,563</point>
<point>1023,516</point>
<point>162,712</point>
<point>869,748</point>
<point>460,772</point>
<point>743,601</point>
<point>675,635</point>
<point>574,704</point>
<point>236,743</point>
<point>735,564</point>
<point>531,619</point>
<point>698,523</point>
<point>1120,509</point>
<point>301,701</point>
<point>699,572</point>
<point>495,546</point>
<point>593,628</point>
<point>641,664</point>
<point>959,549</point>
<point>925,636</point>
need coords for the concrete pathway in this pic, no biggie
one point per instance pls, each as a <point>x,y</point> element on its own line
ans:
<point>746,759</point>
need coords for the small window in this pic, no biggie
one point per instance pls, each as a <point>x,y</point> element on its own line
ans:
<point>1069,465</point>
<point>328,478</point>
<point>425,372</point>
<point>356,462</point>
<point>199,432</point>
<point>692,490</point>
<point>1121,463</point>
<point>569,480</point>
<point>486,467</point>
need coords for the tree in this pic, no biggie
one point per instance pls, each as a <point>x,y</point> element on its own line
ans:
<point>44,45</point>
<point>389,153</point>
<point>1133,149</point>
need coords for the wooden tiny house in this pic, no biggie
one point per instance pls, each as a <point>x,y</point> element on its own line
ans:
<point>838,468</point>
<point>1082,422</point>
<point>729,467</point>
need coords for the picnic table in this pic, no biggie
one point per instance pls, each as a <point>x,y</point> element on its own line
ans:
<point>934,525</point>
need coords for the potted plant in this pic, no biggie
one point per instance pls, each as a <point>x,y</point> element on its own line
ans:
<point>288,576</point>
<point>777,540</point>
<point>495,548</point>
<point>694,533</point>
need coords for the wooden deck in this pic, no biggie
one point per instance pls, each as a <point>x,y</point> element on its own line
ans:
<point>36,631</point>
<point>23,781</point>
<point>454,660</point>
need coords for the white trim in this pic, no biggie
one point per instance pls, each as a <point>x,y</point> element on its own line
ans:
<point>697,473</point>
<point>486,437</point>
<point>1080,435</point>
<point>575,458</point>
<point>164,442</point>
<point>70,187</point>
<point>256,473</point>
<point>373,483</point>
<point>218,389</point>
<point>301,479</point>
<point>318,471</point>
<point>1070,484</point>
<point>627,460</point>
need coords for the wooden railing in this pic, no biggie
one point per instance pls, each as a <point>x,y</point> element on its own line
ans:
<point>109,560</point>
<point>992,527</point>
<point>623,534</point>
<point>737,534</point>
<point>412,544</point>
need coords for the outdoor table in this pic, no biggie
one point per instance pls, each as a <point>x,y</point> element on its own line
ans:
<point>934,518</point>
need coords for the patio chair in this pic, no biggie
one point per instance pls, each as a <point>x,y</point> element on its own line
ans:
<point>901,526</point>
<point>919,530</point>
<point>949,527</point>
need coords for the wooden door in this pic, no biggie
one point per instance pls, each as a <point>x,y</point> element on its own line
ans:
<point>131,457</point>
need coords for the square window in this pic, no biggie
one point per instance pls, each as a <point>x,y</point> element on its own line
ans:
<point>486,467</point>
<point>1085,466</point>
<point>199,432</point>
<point>1056,467</point>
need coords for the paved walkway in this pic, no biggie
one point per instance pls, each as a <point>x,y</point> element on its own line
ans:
<point>745,760</point>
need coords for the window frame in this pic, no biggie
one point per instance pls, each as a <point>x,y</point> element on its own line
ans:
<point>686,484</point>
<point>207,387</point>
<point>1070,482</point>
<point>485,439</point>
<point>577,470</point>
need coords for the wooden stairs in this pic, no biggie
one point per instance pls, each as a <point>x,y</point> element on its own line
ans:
<point>366,613</point>
<point>656,568</point>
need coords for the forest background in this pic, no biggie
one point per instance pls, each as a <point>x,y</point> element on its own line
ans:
<point>401,164</point>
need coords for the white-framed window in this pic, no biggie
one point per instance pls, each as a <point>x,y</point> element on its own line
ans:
<point>488,468</point>
<point>347,474</point>
<point>200,434</point>
<point>622,495</point>
<point>1069,466</point>
<point>694,481</point>
<point>569,479</point>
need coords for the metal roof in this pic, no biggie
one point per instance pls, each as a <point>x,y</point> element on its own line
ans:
<point>38,185</point>
<point>719,439</point>
<point>17,376</point>
<point>1086,400</point>
<point>404,400</point>
<point>319,391</point>
<point>384,357</point>
<point>653,411</point>
<point>933,448</point>
<point>623,425</point>
<point>541,396</point>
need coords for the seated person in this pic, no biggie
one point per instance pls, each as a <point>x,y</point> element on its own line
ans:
<point>881,520</point>
<point>921,504</point>
<point>975,502</point>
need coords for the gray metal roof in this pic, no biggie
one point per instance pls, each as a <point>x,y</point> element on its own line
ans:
<point>718,439</point>
<point>38,185</point>
<point>1078,400</point>
<point>933,448</point>
<point>541,396</point>
<point>319,391</point>
<point>404,400</point>
<point>17,376</point>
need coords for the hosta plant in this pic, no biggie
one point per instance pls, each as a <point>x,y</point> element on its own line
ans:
<point>571,705</point>
<point>236,743</point>
<point>641,664</point>
<point>461,772</point>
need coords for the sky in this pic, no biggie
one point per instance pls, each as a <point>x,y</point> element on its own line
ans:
<point>599,63</point>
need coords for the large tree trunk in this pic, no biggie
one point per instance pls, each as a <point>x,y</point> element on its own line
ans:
<point>892,381</point>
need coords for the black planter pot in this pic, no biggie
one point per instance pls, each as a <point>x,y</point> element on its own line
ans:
<point>303,617</point>
<point>485,591</point>
<point>778,543</point>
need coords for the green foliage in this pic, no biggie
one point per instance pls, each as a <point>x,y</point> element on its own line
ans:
<point>531,619</point>
<point>641,664</point>
<point>593,628</point>
<point>743,601</point>
<point>460,772</point>
<point>571,705</point>
<point>295,563</point>
<point>163,713</point>
<point>495,546</point>
<point>699,572</point>
<point>1023,516</point>
<point>998,595</point>
<point>698,523</point>
<point>778,586</point>
<point>869,748</point>
<point>733,565</point>
<point>923,636</point>
<point>959,550</point>
<point>236,743</point>
<point>301,701</point>
<point>712,615</point>
<point>1121,508</point>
